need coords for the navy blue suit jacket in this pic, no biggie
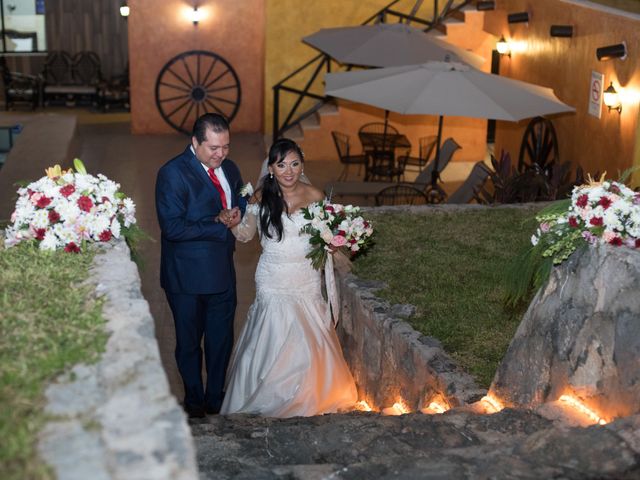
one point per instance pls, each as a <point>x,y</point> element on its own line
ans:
<point>197,252</point>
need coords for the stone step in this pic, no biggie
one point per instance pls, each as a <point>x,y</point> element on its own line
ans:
<point>455,445</point>
<point>450,23</point>
<point>312,122</point>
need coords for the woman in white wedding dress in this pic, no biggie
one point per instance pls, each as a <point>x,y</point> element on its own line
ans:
<point>287,361</point>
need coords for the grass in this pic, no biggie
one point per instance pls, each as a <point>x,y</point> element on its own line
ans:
<point>49,322</point>
<point>451,267</point>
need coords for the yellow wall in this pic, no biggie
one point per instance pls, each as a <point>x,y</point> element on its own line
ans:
<point>290,20</point>
<point>565,64</point>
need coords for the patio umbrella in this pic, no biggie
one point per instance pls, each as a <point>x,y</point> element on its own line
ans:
<point>386,45</point>
<point>445,88</point>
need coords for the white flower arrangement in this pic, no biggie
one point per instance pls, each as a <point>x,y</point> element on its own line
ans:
<point>66,210</point>
<point>598,212</point>
<point>604,212</point>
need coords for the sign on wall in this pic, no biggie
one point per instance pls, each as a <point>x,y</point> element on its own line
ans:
<point>595,94</point>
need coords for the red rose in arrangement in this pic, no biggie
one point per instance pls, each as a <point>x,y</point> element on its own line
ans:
<point>105,236</point>
<point>85,203</point>
<point>71,248</point>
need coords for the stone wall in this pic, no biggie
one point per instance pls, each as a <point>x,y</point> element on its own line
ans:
<point>388,358</point>
<point>117,419</point>
<point>580,336</point>
<point>390,361</point>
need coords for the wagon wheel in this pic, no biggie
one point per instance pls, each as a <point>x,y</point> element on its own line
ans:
<point>539,147</point>
<point>194,83</point>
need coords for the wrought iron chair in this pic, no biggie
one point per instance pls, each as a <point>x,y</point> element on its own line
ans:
<point>343,146</point>
<point>401,194</point>
<point>422,182</point>
<point>426,147</point>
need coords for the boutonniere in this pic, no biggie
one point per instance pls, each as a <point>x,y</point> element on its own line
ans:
<point>246,190</point>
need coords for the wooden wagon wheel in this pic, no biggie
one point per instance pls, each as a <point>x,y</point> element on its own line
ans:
<point>194,83</point>
<point>539,147</point>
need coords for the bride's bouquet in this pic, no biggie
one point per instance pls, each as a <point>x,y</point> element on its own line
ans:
<point>66,210</point>
<point>333,226</point>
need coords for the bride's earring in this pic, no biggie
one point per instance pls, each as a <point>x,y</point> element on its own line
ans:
<point>271,175</point>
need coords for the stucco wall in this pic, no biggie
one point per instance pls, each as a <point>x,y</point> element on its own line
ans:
<point>159,30</point>
<point>565,64</point>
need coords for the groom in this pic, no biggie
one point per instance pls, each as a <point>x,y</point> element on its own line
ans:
<point>197,202</point>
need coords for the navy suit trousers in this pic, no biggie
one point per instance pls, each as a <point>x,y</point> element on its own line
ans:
<point>208,316</point>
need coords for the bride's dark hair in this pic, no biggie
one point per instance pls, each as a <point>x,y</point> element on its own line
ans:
<point>272,204</point>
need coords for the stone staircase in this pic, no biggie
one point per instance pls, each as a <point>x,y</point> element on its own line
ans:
<point>455,445</point>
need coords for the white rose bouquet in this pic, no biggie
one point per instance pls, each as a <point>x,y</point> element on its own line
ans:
<point>333,227</point>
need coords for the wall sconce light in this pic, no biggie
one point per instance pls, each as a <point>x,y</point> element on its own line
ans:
<point>611,99</point>
<point>485,5</point>
<point>195,15</point>
<point>124,10</point>
<point>502,46</point>
<point>612,51</point>
<point>561,31</point>
<point>520,17</point>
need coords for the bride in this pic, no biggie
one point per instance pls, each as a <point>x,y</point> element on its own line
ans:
<point>287,361</point>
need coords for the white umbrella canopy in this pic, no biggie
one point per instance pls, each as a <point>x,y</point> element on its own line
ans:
<point>386,45</point>
<point>445,89</point>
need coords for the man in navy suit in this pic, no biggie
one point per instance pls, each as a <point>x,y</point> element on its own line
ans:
<point>198,202</point>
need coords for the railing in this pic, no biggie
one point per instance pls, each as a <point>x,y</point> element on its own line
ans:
<point>305,83</point>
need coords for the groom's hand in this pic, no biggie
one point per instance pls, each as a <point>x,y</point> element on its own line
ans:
<point>230,217</point>
<point>236,217</point>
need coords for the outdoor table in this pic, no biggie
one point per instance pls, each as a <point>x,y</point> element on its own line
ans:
<point>380,141</point>
<point>381,148</point>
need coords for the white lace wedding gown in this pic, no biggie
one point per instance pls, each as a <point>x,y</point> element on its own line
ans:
<point>287,361</point>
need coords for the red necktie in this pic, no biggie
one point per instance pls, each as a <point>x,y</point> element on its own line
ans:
<point>216,183</point>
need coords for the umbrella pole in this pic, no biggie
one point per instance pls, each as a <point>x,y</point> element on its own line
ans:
<point>384,132</point>
<point>435,174</point>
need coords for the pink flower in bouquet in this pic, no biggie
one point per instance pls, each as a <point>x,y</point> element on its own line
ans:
<point>338,241</point>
